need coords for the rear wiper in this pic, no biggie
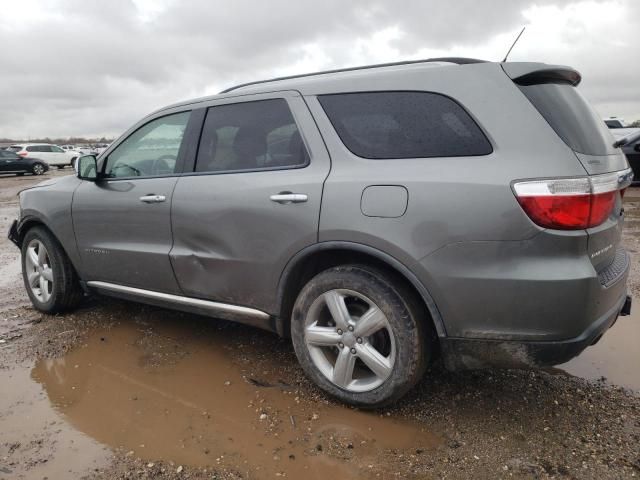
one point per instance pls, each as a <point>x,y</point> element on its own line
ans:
<point>627,140</point>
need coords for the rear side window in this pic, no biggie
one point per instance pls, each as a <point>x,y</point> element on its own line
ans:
<point>387,125</point>
<point>571,116</point>
<point>250,136</point>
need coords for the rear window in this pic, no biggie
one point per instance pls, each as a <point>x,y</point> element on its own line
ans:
<point>571,116</point>
<point>388,125</point>
<point>15,148</point>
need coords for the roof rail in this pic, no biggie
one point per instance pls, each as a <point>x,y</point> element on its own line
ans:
<point>457,60</point>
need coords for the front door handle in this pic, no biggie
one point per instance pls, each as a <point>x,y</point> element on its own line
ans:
<point>153,198</point>
<point>288,197</point>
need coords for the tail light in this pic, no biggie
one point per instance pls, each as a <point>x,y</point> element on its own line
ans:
<point>23,154</point>
<point>572,203</point>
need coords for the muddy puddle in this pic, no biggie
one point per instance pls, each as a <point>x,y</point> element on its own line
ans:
<point>146,394</point>
<point>615,358</point>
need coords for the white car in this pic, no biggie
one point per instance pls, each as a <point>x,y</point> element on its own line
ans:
<point>52,154</point>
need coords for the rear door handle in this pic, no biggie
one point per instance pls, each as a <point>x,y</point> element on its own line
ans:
<point>286,197</point>
<point>153,198</point>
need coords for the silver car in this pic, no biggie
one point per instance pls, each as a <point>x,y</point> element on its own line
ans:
<point>380,217</point>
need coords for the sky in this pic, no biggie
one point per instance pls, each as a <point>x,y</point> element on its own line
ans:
<point>94,67</point>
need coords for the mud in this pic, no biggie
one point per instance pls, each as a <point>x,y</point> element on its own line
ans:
<point>200,409</point>
<point>120,390</point>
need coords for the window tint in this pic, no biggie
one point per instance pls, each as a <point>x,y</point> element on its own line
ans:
<point>150,150</point>
<point>571,116</point>
<point>56,149</point>
<point>15,148</point>
<point>404,125</point>
<point>33,149</point>
<point>250,136</point>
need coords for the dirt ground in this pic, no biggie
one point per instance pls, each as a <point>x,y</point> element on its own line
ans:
<point>120,390</point>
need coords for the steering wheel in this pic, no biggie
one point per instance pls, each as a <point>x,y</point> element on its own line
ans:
<point>137,173</point>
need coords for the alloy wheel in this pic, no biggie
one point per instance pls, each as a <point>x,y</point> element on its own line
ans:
<point>350,340</point>
<point>38,169</point>
<point>38,270</point>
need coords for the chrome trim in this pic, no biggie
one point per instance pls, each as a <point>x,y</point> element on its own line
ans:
<point>180,300</point>
<point>289,198</point>
<point>153,198</point>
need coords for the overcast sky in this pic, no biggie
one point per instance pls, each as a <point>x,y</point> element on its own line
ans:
<point>93,67</point>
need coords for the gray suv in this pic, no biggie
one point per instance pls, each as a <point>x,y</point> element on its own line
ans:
<point>380,217</point>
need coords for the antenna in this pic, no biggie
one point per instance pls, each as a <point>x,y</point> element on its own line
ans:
<point>514,44</point>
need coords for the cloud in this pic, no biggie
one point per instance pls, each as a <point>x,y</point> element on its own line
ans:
<point>87,67</point>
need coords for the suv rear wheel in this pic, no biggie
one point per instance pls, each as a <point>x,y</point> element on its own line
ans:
<point>360,336</point>
<point>49,277</point>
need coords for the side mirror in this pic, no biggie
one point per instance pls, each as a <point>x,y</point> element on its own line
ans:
<point>87,168</point>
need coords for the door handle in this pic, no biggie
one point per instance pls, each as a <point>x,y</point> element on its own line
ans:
<point>287,197</point>
<point>153,198</point>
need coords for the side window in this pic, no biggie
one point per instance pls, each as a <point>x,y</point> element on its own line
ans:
<point>250,136</point>
<point>32,149</point>
<point>387,125</point>
<point>151,150</point>
<point>55,149</point>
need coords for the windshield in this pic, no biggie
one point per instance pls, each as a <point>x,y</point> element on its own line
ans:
<point>571,116</point>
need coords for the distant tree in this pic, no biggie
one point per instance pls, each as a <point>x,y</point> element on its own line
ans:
<point>635,124</point>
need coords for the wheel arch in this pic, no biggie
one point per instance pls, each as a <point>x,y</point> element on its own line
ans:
<point>29,222</point>
<point>321,256</point>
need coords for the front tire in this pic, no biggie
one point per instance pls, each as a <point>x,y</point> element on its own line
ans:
<point>361,336</point>
<point>51,281</point>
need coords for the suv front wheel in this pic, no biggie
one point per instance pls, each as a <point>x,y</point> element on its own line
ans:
<point>49,277</point>
<point>360,336</point>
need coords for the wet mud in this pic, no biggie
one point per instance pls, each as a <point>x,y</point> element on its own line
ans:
<point>200,409</point>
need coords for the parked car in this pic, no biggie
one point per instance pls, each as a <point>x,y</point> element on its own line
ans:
<point>11,162</point>
<point>631,150</point>
<point>379,216</point>
<point>52,154</point>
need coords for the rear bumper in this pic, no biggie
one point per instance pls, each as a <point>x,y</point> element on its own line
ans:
<point>465,353</point>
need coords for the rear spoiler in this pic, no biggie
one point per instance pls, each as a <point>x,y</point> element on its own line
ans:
<point>528,73</point>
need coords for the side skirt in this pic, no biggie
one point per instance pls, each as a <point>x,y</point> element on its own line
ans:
<point>234,313</point>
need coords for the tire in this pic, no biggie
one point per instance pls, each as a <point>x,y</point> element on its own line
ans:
<point>49,278</point>
<point>395,326</point>
<point>37,169</point>
<point>60,167</point>
<point>20,174</point>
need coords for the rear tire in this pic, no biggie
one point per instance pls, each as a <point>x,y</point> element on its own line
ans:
<point>49,277</point>
<point>37,169</point>
<point>60,167</point>
<point>361,336</point>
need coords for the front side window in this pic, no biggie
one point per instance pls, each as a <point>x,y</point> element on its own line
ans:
<point>388,125</point>
<point>250,136</point>
<point>56,149</point>
<point>151,150</point>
